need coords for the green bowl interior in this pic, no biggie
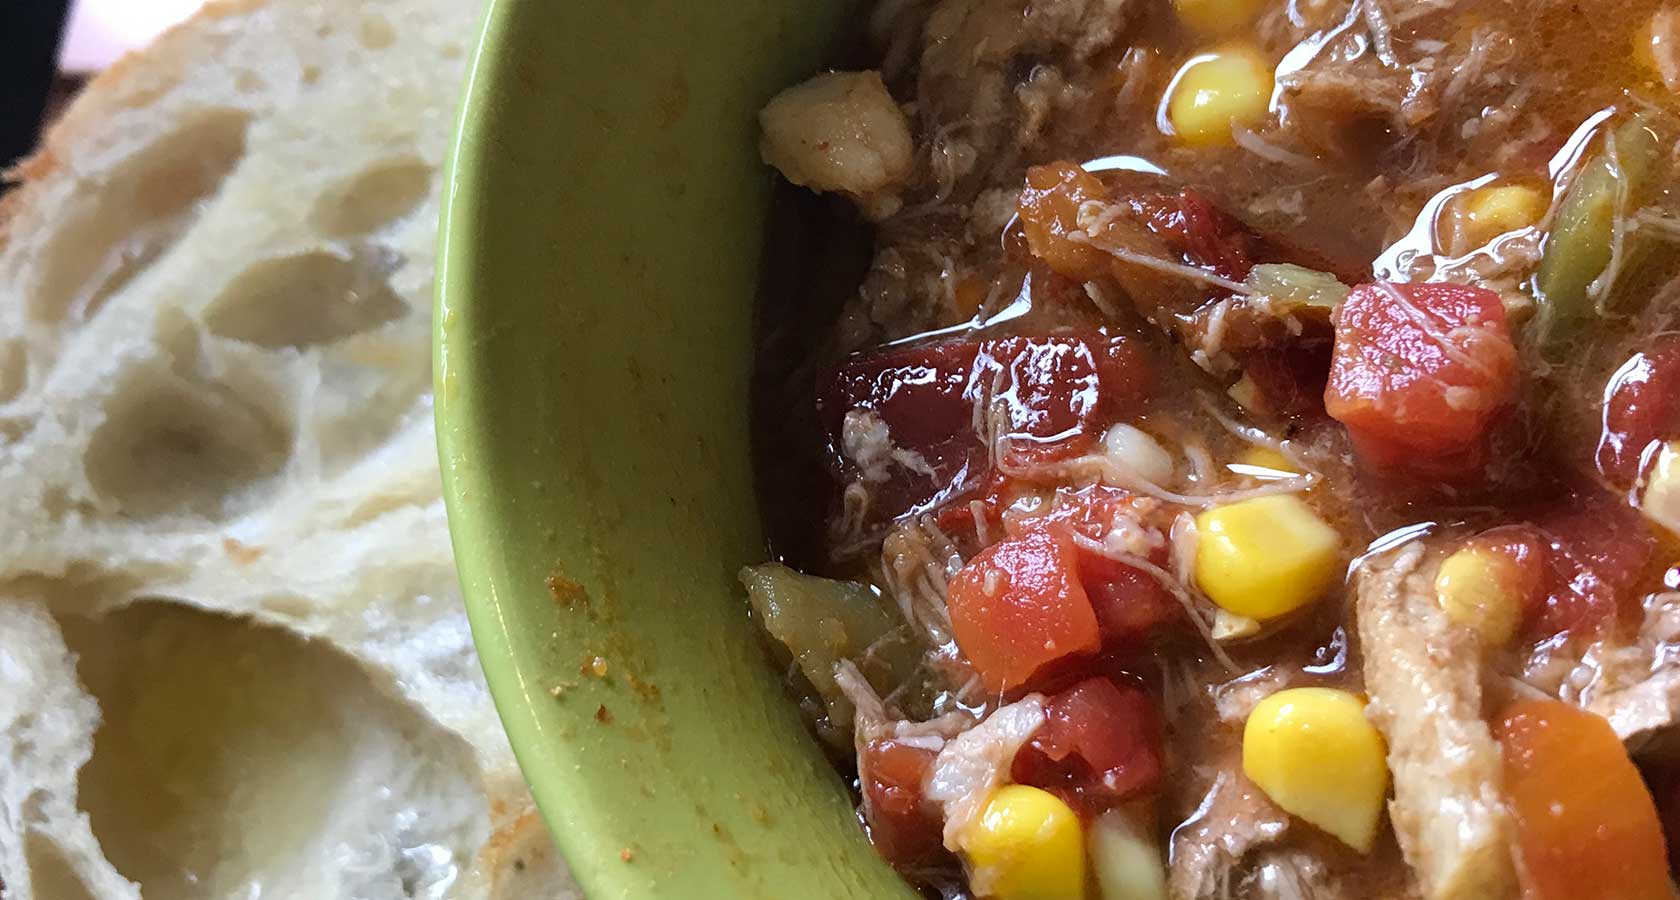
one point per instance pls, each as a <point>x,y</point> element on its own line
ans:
<point>601,247</point>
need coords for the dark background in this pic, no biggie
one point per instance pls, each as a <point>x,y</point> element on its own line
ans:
<point>30,31</point>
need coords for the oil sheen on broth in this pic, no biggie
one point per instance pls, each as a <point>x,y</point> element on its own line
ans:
<point>1231,448</point>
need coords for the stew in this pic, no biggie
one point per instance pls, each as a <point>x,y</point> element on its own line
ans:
<point>1231,448</point>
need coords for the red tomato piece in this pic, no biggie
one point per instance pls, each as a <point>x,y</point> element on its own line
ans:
<point>1056,394</point>
<point>918,395</point>
<point>1100,745</point>
<point>1587,828</point>
<point>1419,373</point>
<point>902,826</point>
<point>1641,410</point>
<point>1597,548</point>
<point>1205,235</point>
<point>1577,562</point>
<point>1130,603</point>
<point>1291,380</point>
<point>1055,389</point>
<point>1018,608</point>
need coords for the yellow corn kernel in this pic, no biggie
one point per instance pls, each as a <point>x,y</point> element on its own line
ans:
<point>1265,557</point>
<point>1026,845</point>
<point>1228,626</point>
<point>1216,17</point>
<point>1316,755</point>
<point>1246,393</point>
<point>1265,464</point>
<point>1475,589</point>
<point>1661,500</point>
<point>1490,212</point>
<point>1216,90</point>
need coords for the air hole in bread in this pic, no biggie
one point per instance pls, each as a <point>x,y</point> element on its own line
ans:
<point>311,298</point>
<point>236,759</point>
<point>170,446</point>
<point>14,369</point>
<point>248,82</point>
<point>376,33</point>
<point>109,234</point>
<point>50,873</point>
<point>310,74</point>
<point>372,198</point>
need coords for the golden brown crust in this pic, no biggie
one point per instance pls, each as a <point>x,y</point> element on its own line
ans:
<point>90,110</point>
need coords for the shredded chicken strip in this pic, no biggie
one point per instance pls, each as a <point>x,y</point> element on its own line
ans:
<point>1424,678</point>
<point>976,762</point>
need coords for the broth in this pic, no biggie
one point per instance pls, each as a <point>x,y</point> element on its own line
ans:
<point>1072,331</point>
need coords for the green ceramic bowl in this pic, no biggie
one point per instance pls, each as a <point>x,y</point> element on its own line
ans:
<point>600,255</point>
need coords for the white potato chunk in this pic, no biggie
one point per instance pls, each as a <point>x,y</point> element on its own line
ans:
<point>840,131</point>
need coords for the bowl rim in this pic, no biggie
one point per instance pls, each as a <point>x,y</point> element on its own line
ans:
<point>809,842</point>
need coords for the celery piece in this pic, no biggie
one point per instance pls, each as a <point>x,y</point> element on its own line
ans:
<point>1126,857</point>
<point>822,621</point>
<point>1294,288</point>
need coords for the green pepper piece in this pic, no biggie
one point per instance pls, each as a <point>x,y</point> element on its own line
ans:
<point>1579,247</point>
<point>822,621</point>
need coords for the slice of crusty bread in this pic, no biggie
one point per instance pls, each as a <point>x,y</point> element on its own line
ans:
<point>233,655</point>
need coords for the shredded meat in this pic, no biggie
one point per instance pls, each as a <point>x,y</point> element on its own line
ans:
<point>1424,678</point>
<point>874,721</point>
<point>1208,850</point>
<point>1641,698</point>
<point>1356,72</point>
<point>917,560</point>
<point>976,762</point>
<point>989,78</point>
<point>991,70</point>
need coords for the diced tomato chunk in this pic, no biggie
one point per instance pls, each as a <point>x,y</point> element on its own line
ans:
<point>1054,389</point>
<point>1090,511</point>
<point>1205,235</point>
<point>1049,208</point>
<point>1130,603</point>
<point>1019,607</point>
<point>1290,381</point>
<point>1100,744</point>
<point>1419,374</point>
<point>902,826</point>
<point>1587,828</point>
<point>917,396</point>
<point>1577,563</point>
<point>902,423</point>
<point>1641,410</point>
<point>1596,550</point>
